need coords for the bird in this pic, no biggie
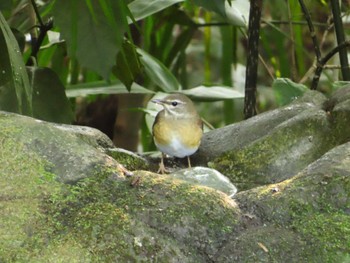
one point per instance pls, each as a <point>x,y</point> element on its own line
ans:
<point>177,129</point>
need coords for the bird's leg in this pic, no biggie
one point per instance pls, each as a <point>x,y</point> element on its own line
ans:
<point>162,169</point>
<point>189,162</point>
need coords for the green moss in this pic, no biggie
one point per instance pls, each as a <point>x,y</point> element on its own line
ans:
<point>115,221</point>
<point>313,208</point>
<point>322,218</point>
<point>23,182</point>
<point>328,231</point>
<point>130,160</point>
<point>280,154</point>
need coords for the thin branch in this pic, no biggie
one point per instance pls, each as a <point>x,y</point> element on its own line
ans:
<point>286,22</point>
<point>311,29</point>
<point>37,13</point>
<point>43,28</point>
<point>312,69</point>
<point>339,30</point>
<point>263,21</point>
<point>261,59</point>
<point>324,60</point>
<point>294,63</point>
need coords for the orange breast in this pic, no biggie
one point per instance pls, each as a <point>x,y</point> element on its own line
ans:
<point>188,132</point>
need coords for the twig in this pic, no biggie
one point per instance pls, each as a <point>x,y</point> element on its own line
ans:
<point>261,59</point>
<point>311,70</point>
<point>339,31</point>
<point>43,28</point>
<point>287,22</point>
<point>263,21</point>
<point>311,29</point>
<point>294,64</point>
<point>324,60</point>
<point>37,13</point>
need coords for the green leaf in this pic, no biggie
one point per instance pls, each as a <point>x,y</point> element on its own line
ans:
<point>286,90</point>
<point>128,66</point>
<point>212,93</point>
<point>141,8</point>
<point>158,73</point>
<point>101,87</point>
<point>15,89</point>
<point>50,102</point>
<point>217,6</point>
<point>238,13</point>
<point>93,30</point>
<point>180,44</point>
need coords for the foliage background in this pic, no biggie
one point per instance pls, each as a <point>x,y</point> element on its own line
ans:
<point>62,60</point>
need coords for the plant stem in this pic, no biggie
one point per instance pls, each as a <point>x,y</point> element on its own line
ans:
<point>43,28</point>
<point>339,31</point>
<point>311,29</point>
<point>324,60</point>
<point>252,58</point>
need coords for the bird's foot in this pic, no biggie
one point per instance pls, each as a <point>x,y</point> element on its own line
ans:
<point>162,169</point>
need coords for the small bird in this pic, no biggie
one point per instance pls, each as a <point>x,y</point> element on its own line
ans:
<point>177,129</point>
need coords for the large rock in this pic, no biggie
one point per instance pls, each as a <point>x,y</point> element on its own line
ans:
<point>65,199</point>
<point>303,219</point>
<point>276,145</point>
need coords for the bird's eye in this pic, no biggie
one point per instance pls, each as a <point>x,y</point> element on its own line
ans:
<point>174,103</point>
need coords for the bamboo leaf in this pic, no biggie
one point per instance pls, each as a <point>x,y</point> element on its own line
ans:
<point>15,89</point>
<point>212,93</point>
<point>102,87</point>
<point>237,12</point>
<point>158,73</point>
<point>141,8</point>
<point>217,6</point>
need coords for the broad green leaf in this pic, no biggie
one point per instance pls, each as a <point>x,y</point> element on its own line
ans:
<point>212,93</point>
<point>15,90</point>
<point>286,90</point>
<point>141,8</point>
<point>93,30</point>
<point>50,102</point>
<point>101,87</point>
<point>217,6</point>
<point>128,66</point>
<point>158,73</point>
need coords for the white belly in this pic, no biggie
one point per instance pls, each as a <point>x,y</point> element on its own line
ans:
<point>176,149</point>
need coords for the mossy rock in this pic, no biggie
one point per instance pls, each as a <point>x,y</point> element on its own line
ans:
<point>64,199</point>
<point>276,145</point>
<point>314,206</point>
<point>100,216</point>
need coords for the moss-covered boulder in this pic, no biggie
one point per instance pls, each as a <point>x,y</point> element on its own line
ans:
<point>302,219</point>
<point>276,145</point>
<point>65,199</point>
